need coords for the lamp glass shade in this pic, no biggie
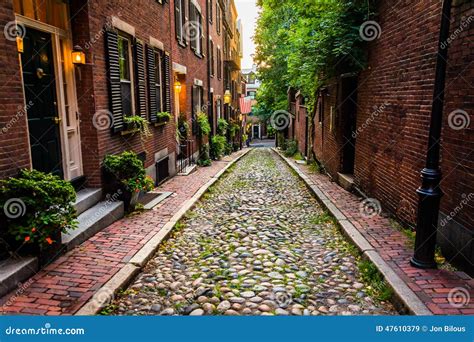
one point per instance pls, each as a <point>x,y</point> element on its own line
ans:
<point>227,97</point>
<point>19,44</point>
<point>177,86</point>
<point>78,57</point>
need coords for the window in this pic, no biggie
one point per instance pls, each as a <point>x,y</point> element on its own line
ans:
<point>51,12</point>
<point>197,101</point>
<point>218,18</point>
<point>125,60</point>
<point>320,110</point>
<point>196,29</point>
<point>218,107</point>
<point>211,58</point>
<point>219,63</point>
<point>180,20</point>
<point>158,90</point>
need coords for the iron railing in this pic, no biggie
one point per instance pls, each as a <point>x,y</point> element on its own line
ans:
<point>185,155</point>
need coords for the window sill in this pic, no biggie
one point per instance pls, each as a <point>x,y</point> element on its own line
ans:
<point>129,131</point>
<point>181,44</point>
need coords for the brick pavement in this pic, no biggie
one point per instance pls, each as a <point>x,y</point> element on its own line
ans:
<point>433,287</point>
<point>65,285</point>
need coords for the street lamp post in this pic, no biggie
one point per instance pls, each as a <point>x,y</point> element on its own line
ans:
<point>429,194</point>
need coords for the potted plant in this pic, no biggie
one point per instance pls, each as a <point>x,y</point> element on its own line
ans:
<point>37,208</point>
<point>203,124</point>
<point>137,123</point>
<point>163,118</point>
<point>125,175</point>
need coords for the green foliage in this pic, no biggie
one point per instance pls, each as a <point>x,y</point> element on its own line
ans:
<point>183,128</point>
<point>303,43</point>
<point>377,287</point>
<point>228,149</point>
<point>163,116</point>
<point>36,207</point>
<point>222,126</point>
<point>129,170</point>
<point>291,148</point>
<point>314,167</point>
<point>245,137</point>
<point>137,122</point>
<point>203,123</point>
<point>204,158</point>
<point>218,143</point>
<point>234,129</point>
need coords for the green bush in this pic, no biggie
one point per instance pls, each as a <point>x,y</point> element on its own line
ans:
<point>204,158</point>
<point>291,148</point>
<point>37,207</point>
<point>163,116</point>
<point>183,128</point>
<point>129,170</point>
<point>228,148</point>
<point>218,143</point>
<point>203,123</point>
<point>222,127</point>
<point>234,129</point>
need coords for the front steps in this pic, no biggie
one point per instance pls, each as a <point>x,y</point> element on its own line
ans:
<point>93,216</point>
<point>346,181</point>
<point>14,271</point>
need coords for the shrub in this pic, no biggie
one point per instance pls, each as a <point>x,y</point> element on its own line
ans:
<point>291,148</point>
<point>137,122</point>
<point>203,123</point>
<point>218,143</point>
<point>228,148</point>
<point>222,126</point>
<point>234,128</point>
<point>163,116</point>
<point>204,158</point>
<point>183,128</point>
<point>129,170</point>
<point>37,207</point>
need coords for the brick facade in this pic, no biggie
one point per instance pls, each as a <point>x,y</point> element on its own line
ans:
<point>394,96</point>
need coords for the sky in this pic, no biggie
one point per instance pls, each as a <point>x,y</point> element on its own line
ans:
<point>248,14</point>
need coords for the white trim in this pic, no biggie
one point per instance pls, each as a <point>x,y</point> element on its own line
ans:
<point>198,82</point>
<point>123,26</point>
<point>180,69</point>
<point>211,90</point>
<point>198,7</point>
<point>41,26</point>
<point>157,44</point>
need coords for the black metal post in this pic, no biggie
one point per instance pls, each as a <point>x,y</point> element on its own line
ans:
<point>430,193</point>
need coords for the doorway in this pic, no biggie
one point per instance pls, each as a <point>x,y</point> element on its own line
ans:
<point>349,122</point>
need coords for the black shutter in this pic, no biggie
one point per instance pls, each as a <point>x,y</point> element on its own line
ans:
<point>140,82</point>
<point>166,82</point>
<point>152,105</point>
<point>193,111</point>
<point>193,29</point>
<point>177,18</point>
<point>115,93</point>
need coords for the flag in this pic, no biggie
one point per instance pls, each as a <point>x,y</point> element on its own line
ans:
<point>245,105</point>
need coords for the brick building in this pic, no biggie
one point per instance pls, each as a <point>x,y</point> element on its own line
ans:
<point>370,130</point>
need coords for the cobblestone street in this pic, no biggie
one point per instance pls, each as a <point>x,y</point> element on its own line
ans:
<point>257,244</point>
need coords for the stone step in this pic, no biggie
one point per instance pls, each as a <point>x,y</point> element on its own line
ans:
<point>93,221</point>
<point>346,181</point>
<point>87,198</point>
<point>14,271</point>
<point>188,170</point>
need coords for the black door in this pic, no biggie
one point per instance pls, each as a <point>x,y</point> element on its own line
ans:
<point>349,122</point>
<point>40,93</point>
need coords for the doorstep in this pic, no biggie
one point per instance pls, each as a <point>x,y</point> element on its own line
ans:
<point>14,271</point>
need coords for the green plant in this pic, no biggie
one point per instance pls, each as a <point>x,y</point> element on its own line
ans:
<point>204,158</point>
<point>37,207</point>
<point>291,148</point>
<point>139,123</point>
<point>129,170</point>
<point>234,128</point>
<point>222,126</point>
<point>377,287</point>
<point>183,128</point>
<point>163,116</point>
<point>228,148</point>
<point>245,137</point>
<point>218,143</point>
<point>203,124</point>
<point>314,167</point>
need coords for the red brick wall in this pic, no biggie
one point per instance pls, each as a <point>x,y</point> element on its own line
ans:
<point>14,147</point>
<point>93,88</point>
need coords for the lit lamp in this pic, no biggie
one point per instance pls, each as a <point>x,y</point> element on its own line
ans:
<point>177,86</point>
<point>78,55</point>
<point>227,97</point>
<point>19,44</point>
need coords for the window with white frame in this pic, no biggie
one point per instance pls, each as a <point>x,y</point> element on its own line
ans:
<point>126,74</point>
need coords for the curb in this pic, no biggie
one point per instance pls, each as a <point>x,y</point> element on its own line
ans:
<point>405,299</point>
<point>124,276</point>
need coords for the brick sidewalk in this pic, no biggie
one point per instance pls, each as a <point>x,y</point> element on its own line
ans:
<point>69,282</point>
<point>431,286</point>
